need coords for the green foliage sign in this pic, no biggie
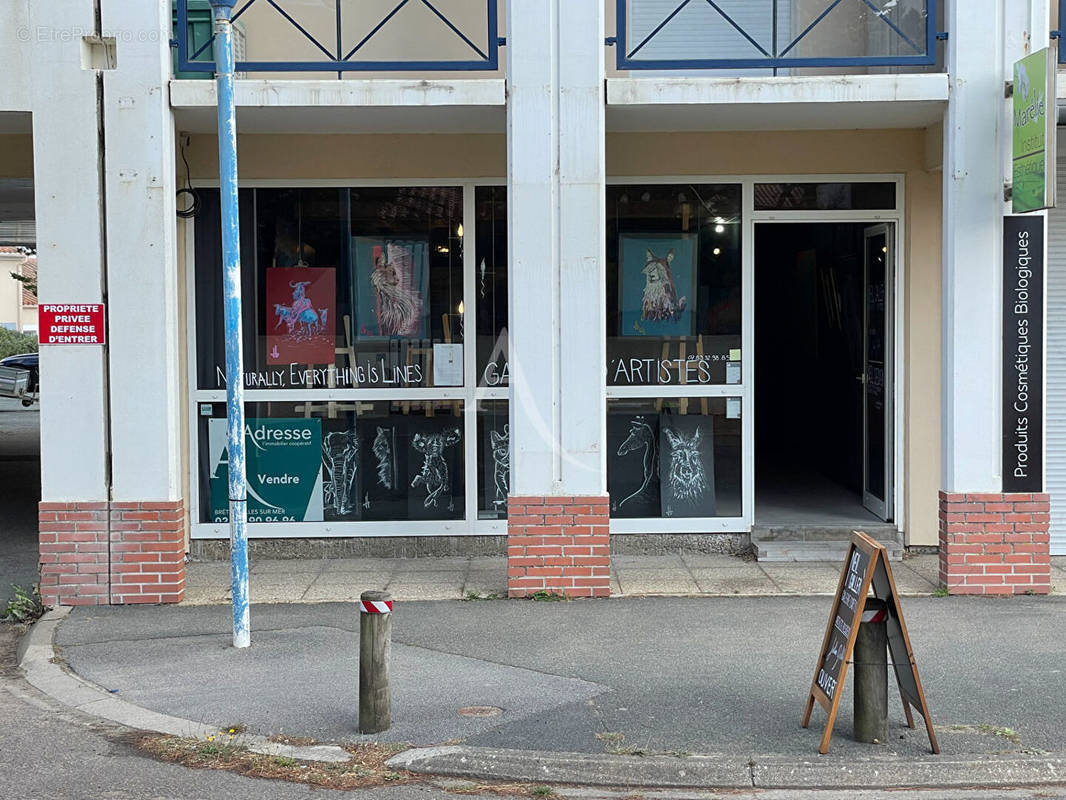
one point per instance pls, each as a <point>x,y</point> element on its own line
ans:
<point>1033,138</point>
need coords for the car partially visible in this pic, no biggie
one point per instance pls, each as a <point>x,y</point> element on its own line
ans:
<point>26,361</point>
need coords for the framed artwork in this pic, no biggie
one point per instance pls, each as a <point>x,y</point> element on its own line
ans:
<point>686,466</point>
<point>301,305</point>
<point>633,464</point>
<point>391,287</point>
<point>657,284</point>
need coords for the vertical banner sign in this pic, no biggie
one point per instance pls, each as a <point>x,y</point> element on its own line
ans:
<point>1033,149</point>
<point>1023,354</point>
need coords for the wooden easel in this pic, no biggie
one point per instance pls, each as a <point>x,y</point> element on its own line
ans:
<point>333,406</point>
<point>865,566</point>
<point>682,377</point>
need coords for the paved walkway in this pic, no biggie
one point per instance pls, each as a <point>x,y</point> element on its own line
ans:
<point>572,692</point>
<point>342,580</point>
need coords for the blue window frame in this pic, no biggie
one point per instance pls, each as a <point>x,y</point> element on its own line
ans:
<point>765,42</point>
<point>338,56</point>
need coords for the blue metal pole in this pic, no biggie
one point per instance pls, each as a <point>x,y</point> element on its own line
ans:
<point>231,267</point>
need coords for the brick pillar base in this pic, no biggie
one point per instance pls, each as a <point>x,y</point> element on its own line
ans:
<point>995,543</point>
<point>560,545</point>
<point>112,553</point>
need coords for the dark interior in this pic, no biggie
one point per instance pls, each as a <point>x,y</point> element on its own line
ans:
<point>808,355</point>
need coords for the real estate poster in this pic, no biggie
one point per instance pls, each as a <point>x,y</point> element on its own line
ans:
<point>300,308</point>
<point>284,470</point>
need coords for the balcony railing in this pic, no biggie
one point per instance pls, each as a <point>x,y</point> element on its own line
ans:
<point>775,34</point>
<point>332,36</point>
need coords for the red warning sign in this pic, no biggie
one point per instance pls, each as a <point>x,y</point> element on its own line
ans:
<point>71,323</point>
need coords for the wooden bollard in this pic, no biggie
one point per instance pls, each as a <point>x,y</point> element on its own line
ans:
<point>375,649</point>
<point>871,675</point>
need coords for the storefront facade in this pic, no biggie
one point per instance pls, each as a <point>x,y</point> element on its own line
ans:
<point>534,311</point>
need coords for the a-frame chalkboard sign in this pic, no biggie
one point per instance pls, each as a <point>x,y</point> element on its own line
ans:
<point>865,567</point>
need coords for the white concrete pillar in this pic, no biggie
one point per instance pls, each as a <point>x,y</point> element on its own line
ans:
<point>556,169</point>
<point>142,274</point>
<point>986,38</point>
<point>67,186</point>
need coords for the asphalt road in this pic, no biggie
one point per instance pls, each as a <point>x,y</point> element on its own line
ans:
<point>48,752</point>
<point>20,491</point>
<point>693,675</point>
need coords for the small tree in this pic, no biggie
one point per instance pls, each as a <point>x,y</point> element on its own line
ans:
<point>30,284</point>
<point>13,343</point>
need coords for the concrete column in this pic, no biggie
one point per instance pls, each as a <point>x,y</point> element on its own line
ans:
<point>68,197</point>
<point>990,542</point>
<point>556,168</point>
<point>143,290</point>
<point>142,273</point>
<point>558,522</point>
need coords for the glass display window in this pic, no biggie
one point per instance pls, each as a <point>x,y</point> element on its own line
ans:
<point>674,315</point>
<point>677,457</point>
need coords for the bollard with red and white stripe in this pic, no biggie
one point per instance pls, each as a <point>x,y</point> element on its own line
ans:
<point>871,673</point>
<point>375,646</point>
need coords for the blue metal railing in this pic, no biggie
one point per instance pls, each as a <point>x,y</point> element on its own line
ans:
<point>337,57</point>
<point>775,53</point>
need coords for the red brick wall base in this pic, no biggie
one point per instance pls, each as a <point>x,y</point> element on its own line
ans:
<point>559,545</point>
<point>112,553</point>
<point>995,543</point>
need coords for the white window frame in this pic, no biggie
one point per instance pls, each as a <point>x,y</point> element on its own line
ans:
<point>746,388</point>
<point>469,393</point>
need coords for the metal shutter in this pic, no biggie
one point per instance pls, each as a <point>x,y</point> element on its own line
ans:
<point>1056,363</point>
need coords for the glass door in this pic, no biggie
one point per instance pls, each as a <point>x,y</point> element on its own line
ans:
<point>878,258</point>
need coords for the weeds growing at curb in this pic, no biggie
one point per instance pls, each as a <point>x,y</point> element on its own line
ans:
<point>546,596</point>
<point>365,769</point>
<point>472,595</point>
<point>26,607</point>
<point>941,591</point>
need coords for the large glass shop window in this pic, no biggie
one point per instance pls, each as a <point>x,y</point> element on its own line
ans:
<point>674,457</point>
<point>674,320</point>
<point>673,285</point>
<point>343,288</point>
<point>339,461</point>
<point>491,283</point>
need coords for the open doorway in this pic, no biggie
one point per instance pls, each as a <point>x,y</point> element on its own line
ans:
<point>823,377</point>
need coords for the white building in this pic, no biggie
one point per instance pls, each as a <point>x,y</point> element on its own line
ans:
<point>729,274</point>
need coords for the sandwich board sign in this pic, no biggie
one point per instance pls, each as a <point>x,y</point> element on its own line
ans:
<point>1033,140</point>
<point>866,567</point>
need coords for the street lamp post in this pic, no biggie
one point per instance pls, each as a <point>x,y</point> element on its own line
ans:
<point>231,267</point>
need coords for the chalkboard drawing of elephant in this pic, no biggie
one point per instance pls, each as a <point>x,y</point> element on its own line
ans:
<point>340,450</point>
<point>434,473</point>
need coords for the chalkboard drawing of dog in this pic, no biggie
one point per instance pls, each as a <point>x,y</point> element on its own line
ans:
<point>660,303</point>
<point>686,479</point>
<point>434,473</point>
<point>501,457</point>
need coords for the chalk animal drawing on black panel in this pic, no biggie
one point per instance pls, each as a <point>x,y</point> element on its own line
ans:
<point>339,452</point>
<point>501,457</point>
<point>434,473</point>
<point>385,453</point>
<point>641,440</point>
<point>686,479</point>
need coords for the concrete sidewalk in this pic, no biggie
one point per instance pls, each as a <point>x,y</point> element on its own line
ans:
<point>566,682</point>
<point>342,580</point>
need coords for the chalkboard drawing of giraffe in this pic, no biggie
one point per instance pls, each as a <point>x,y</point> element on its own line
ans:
<point>641,437</point>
